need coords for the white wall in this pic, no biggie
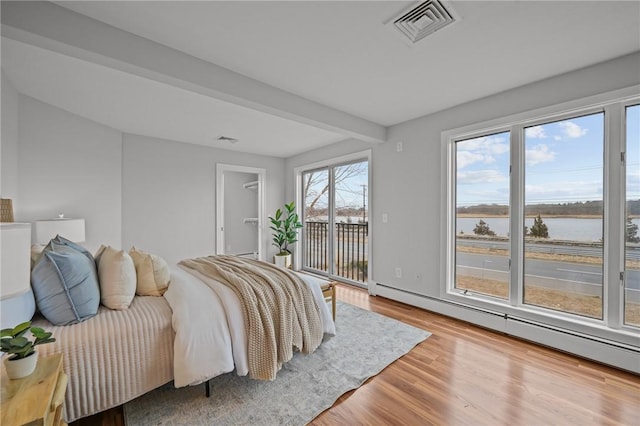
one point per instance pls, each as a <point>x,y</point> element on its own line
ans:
<point>71,165</point>
<point>9,137</point>
<point>168,195</point>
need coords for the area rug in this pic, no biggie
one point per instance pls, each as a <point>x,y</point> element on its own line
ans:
<point>307,385</point>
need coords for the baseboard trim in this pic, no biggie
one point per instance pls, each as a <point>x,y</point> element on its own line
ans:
<point>604,351</point>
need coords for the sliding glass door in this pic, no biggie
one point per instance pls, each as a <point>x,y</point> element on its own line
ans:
<point>336,220</point>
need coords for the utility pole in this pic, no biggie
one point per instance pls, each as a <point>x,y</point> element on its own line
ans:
<point>364,203</point>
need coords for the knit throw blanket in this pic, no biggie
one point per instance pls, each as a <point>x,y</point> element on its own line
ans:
<point>279,309</point>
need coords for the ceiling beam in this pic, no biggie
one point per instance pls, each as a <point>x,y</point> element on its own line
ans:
<point>55,28</point>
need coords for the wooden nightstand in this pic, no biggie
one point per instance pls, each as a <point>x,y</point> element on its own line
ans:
<point>329,293</point>
<point>36,399</point>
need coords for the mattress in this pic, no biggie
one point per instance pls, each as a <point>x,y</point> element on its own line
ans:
<point>114,356</point>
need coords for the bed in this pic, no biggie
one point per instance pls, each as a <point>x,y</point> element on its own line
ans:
<point>119,355</point>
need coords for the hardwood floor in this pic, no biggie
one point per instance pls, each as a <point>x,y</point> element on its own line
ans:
<point>464,374</point>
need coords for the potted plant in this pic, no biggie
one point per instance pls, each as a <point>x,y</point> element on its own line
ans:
<point>21,356</point>
<point>285,225</point>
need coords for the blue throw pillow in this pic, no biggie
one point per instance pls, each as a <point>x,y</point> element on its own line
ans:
<point>77,247</point>
<point>65,283</point>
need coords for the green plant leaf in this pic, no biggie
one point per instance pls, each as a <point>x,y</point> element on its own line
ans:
<point>19,342</point>
<point>13,342</point>
<point>21,328</point>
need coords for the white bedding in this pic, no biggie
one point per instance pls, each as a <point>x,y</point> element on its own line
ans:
<point>209,325</point>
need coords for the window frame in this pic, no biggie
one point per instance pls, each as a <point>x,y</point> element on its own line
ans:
<point>591,110</point>
<point>623,195</point>
<point>613,105</point>
<point>451,284</point>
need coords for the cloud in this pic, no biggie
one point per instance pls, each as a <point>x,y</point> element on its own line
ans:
<point>567,191</point>
<point>480,176</point>
<point>466,158</point>
<point>539,154</point>
<point>486,145</point>
<point>535,132</point>
<point>572,130</point>
<point>483,149</point>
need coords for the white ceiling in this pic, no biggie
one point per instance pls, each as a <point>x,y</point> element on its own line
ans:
<point>142,106</point>
<point>338,54</point>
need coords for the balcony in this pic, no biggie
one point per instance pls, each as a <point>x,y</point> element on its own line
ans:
<point>349,249</point>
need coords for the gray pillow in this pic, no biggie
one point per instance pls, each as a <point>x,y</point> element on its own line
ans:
<point>65,284</point>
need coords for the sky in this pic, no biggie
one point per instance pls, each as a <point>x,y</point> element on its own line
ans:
<point>563,163</point>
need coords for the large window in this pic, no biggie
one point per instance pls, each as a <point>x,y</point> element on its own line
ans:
<point>632,217</point>
<point>543,215</point>
<point>563,210</point>
<point>482,215</point>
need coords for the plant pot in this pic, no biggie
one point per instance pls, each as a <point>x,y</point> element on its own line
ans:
<point>284,261</point>
<point>19,368</point>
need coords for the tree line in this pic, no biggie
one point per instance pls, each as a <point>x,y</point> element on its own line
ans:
<point>593,208</point>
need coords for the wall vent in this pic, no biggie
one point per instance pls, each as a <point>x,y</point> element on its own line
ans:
<point>423,19</point>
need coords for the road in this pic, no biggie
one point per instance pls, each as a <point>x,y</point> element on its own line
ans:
<point>575,250</point>
<point>497,267</point>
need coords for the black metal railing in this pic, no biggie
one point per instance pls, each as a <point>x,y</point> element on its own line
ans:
<point>350,249</point>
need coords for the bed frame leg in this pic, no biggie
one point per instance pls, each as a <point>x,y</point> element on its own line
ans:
<point>207,389</point>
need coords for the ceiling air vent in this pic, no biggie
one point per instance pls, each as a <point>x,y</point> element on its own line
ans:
<point>423,19</point>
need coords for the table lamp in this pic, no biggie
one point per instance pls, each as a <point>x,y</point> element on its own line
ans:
<point>71,229</point>
<point>16,298</point>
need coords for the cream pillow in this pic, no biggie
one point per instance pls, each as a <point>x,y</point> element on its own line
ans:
<point>36,252</point>
<point>117,276</point>
<point>152,272</point>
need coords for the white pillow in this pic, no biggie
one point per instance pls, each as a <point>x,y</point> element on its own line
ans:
<point>152,273</point>
<point>117,276</point>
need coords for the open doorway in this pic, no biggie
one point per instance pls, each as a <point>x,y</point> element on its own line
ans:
<point>240,210</point>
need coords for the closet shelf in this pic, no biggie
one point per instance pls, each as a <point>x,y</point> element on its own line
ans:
<point>251,185</point>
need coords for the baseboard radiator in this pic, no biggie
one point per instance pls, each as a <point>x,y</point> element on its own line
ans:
<point>608,352</point>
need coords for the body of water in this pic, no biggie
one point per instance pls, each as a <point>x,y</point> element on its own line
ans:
<point>563,228</point>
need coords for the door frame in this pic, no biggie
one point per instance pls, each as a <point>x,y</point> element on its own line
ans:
<point>219,221</point>
<point>333,162</point>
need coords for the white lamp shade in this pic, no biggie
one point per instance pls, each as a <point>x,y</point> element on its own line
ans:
<point>71,229</point>
<point>15,242</point>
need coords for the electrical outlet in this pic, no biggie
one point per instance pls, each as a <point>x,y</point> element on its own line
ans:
<point>385,218</point>
<point>399,146</point>
<point>398,272</point>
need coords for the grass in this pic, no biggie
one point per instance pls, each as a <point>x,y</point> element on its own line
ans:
<point>590,306</point>
<point>589,260</point>
<point>581,304</point>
